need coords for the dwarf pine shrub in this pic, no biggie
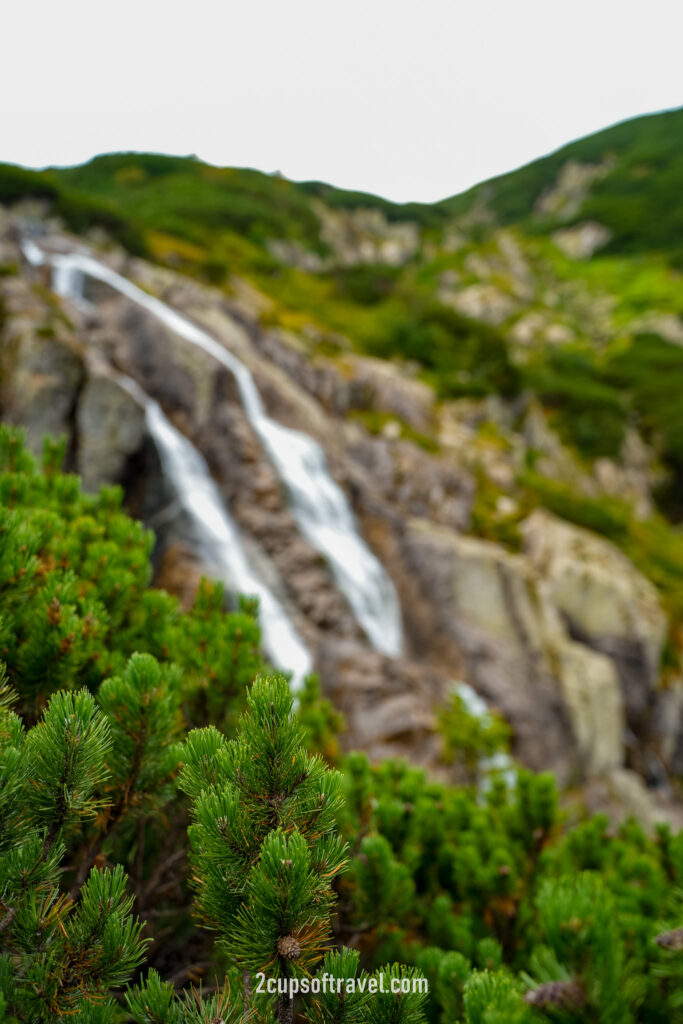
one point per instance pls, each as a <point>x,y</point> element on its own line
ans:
<point>140,816</point>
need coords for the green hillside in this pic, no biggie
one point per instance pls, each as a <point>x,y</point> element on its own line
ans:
<point>194,201</point>
<point>638,199</point>
<point>185,197</point>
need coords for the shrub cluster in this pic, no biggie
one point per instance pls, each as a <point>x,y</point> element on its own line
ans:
<point>110,756</point>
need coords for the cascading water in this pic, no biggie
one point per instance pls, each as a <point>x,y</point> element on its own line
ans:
<point>499,764</point>
<point>219,543</point>
<point>320,507</point>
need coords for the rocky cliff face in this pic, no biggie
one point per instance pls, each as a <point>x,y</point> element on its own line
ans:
<point>562,634</point>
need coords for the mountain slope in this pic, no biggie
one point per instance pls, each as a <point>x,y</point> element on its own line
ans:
<point>478,310</point>
<point>483,361</point>
<point>438,285</point>
<point>635,195</point>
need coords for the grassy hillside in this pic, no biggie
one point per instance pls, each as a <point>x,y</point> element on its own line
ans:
<point>183,196</point>
<point>77,209</point>
<point>190,200</point>
<point>638,199</point>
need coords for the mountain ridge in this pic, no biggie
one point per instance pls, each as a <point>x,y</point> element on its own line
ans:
<point>513,193</point>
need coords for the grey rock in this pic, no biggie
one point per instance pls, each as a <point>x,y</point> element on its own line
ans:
<point>41,367</point>
<point>562,701</point>
<point>111,428</point>
<point>605,601</point>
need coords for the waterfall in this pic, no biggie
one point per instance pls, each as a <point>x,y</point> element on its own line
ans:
<point>220,544</point>
<point>499,764</point>
<point>320,508</point>
<point>218,540</point>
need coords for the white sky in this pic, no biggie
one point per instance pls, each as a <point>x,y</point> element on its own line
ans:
<point>412,99</point>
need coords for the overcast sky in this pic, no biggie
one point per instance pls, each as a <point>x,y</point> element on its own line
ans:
<point>412,99</point>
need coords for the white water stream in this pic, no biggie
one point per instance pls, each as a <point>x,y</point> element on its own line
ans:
<point>219,543</point>
<point>499,764</point>
<point>319,505</point>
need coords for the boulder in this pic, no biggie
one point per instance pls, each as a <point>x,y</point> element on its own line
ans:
<point>366,236</point>
<point>111,428</point>
<point>565,196</point>
<point>561,698</point>
<point>179,376</point>
<point>388,704</point>
<point>408,480</point>
<point>580,242</point>
<point>41,367</point>
<point>622,794</point>
<point>667,726</point>
<point>384,387</point>
<point>666,325</point>
<point>483,302</point>
<point>604,600</point>
<point>536,328</point>
<point>593,697</point>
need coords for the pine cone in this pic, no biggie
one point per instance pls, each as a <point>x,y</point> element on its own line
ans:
<point>288,947</point>
<point>671,940</point>
<point>565,995</point>
<point>54,612</point>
